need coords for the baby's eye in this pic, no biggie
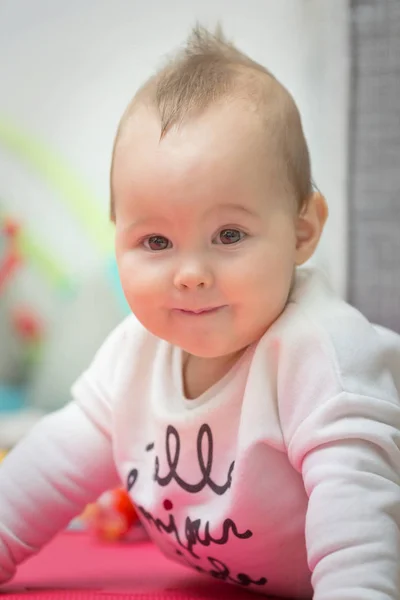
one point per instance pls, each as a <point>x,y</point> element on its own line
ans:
<point>230,236</point>
<point>157,243</point>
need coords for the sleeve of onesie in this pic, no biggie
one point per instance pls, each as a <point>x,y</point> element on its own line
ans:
<point>65,462</point>
<point>347,450</point>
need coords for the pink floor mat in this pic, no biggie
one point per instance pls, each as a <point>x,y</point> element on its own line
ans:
<point>75,567</point>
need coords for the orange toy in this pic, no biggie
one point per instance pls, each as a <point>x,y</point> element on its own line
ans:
<point>112,516</point>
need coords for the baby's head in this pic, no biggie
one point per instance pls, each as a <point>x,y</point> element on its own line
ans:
<point>212,199</point>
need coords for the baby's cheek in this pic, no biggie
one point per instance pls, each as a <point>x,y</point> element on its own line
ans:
<point>140,290</point>
<point>147,290</point>
<point>136,276</point>
<point>248,274</point>
<point>263,288</point>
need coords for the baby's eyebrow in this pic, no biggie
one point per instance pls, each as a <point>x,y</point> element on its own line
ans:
<point>234,206</point>
<point>162,221</point>
<point>145,221</point>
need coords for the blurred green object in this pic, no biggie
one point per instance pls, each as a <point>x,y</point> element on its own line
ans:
<point>73,192</point>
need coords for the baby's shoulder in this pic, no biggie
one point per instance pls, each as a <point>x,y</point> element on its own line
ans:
<point>125,345</point>
<point>128,338</point>
<point>330,338</point>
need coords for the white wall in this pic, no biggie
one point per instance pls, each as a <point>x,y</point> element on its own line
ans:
<point>326,86</point>
<point>69,68</point>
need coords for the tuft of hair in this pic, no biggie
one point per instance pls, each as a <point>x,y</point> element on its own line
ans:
<point>210,68</point>
<point>207,69</point>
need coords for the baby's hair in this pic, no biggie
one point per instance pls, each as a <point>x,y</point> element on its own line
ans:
<point>210,69</point>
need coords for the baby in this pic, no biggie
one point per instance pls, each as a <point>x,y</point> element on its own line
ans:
<point>252,415</point>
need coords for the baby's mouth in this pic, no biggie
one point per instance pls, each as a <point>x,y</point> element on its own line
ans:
<point>199,311</point>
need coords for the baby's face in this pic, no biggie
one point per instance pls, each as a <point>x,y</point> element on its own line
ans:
<point>205,237</point>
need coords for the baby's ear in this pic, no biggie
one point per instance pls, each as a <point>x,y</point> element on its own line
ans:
<point>309,226</point>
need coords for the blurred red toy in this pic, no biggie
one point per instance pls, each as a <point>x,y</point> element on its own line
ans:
<point>112,516</point>
<point>12,259</point>
<point>27,324</point>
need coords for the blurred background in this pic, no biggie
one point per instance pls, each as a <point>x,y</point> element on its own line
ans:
<point>67,71</point>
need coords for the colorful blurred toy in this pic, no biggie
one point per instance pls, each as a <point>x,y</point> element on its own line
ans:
<point>21,331</point>
<point>112,517</point>
<point>11,259</point>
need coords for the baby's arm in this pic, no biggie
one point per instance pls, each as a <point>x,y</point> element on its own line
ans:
<point>64,463</point>
<point>348,453</point>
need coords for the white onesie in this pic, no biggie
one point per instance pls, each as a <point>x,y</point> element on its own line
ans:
<point>282,477</point>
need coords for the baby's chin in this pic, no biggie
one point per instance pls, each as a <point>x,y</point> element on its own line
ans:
<point>212,345</point>
<point>209,349</point>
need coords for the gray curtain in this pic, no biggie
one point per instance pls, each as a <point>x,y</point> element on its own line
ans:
<point>374,169</point>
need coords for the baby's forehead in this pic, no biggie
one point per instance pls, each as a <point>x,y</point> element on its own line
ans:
<point>221,151</point>
<point>214,159</point>
<point>223,143</point>
<point>223,129</point>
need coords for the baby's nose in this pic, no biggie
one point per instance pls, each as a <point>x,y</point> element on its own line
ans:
<point>193,276</point>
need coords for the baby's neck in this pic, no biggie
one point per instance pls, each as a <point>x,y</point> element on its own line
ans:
<point>199,374</point>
